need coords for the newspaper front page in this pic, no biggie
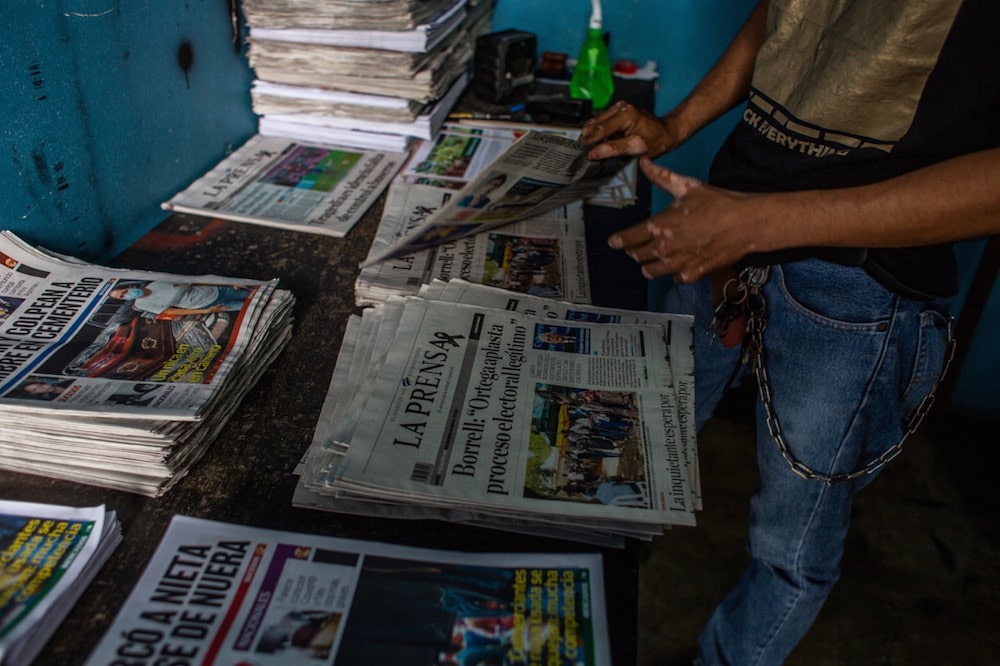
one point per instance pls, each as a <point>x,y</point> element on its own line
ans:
<point>544,255</point>
<point>680,345</point>
<point>93,341</point>
<point>48,555</point>
<point>279,182</point>
<point>495,409</point>
<point>538,172</point>
<point>121,378</point>
<point>218,593</point>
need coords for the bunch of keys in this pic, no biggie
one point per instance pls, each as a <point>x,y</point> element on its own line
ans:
<point>741,308</point>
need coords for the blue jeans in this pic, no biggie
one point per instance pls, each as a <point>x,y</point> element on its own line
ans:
<point>848,363</point>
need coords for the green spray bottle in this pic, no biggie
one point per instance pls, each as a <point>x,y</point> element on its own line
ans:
<point>592,74</point>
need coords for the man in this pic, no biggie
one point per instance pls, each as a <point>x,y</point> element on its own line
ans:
<point>869,143</point>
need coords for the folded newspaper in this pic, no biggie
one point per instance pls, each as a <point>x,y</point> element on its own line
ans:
<point>283,183</point>
<point>544,255</point>
<point>510,411</point>
<point>121,378</point>
<point>218,593</point>
<point>49,554</point>
<point>537,173</point>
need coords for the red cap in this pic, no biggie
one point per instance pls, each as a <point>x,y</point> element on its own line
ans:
<point>626,66</point>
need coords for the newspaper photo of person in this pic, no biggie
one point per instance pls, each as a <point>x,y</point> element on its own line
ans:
<point>561,338</point>
<point>36,387</point>
<point>524,264</point>
<point>589,447</point>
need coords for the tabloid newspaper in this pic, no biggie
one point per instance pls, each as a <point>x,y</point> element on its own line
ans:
<point>280,182</point>
<point>545,255</point>
<point>218,593</point>
<point>48,556</point>
<point>476,413</point>
<point>121,378</point>
<point>538,172</point>
<point>466,147</point>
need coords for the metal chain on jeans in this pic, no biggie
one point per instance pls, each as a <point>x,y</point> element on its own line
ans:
<point>754,278</point>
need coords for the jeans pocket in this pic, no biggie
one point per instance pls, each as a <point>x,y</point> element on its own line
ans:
<point>929,359</point>
<point>840,297</point>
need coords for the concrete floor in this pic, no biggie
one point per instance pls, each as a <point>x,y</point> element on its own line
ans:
<point>921,572</point>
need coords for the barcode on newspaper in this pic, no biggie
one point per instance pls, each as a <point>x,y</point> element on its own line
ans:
<point>422,472</point>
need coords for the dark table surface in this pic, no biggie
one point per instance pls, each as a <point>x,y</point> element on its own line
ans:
<point>247,476</point>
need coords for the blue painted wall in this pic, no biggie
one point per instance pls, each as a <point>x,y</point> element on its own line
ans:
<point>108,109</point>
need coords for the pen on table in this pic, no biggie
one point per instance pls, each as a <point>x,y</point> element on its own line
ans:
<point>462,115</point>
<point>512,113</point>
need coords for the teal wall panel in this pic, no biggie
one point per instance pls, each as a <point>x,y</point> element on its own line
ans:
<point>109,108</point>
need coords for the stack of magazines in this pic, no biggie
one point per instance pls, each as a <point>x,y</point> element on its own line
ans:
<point>48,555</point>
<point>219,593</point>
<point>121,378</point>
<point>477,405</point>
<point>371,74</point>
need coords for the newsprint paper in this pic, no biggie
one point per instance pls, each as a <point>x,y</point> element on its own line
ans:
<point>120,378</point>
<point>538,172</point>
<point>279,182</point>
<point>489,415</point>
<point>218,593</point>
<point>48,556</point>
<point>544,255</point>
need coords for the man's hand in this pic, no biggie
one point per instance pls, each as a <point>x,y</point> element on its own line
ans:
<point>636,132</point>
<point>706,228</point>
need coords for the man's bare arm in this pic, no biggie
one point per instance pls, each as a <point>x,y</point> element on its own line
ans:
<point>722,88</point>
<point>708,227</point>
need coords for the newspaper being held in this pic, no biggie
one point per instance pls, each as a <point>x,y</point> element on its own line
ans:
<point>220,593</point>
<point>465,148</point>
<point>461,151</point>
<point>280,182</point>
<point>544,255</point>
<point>121,378</point>
<point>566,423</point>
<point>538,172</point>
<point>48,555</point>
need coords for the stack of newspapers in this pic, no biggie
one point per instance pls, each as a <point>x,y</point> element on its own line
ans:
<point>371,74</point>
<point>121,378</point>
<point>48,555</point>
<point>477,405</point>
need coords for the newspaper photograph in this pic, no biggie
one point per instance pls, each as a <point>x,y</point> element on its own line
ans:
<point>48,555</point>
<point>465,148</point>
<point>278,182</point>
<point>84,339</point>
<point>538,172</point>
<point>219,593</point>
<point>482,407</point>
<point>460,152</point>
<point>544,255</point>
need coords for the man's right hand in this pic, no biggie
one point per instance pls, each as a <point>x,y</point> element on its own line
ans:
<point>624,129</point>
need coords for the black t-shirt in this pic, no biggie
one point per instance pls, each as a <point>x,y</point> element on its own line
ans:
<point>853,92</point>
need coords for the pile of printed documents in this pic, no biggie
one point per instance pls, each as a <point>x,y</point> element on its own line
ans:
<point>372,75</point>
<point>122,378</point>
<point>474,404</point>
